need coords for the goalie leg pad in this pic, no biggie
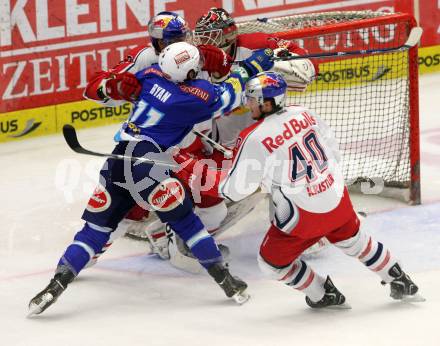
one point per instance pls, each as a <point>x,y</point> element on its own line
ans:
<point>199,241</point>
<point>298,275</point>
<point>213,216</point>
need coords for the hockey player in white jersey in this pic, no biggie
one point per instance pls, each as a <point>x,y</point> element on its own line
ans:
<point>292,154</point>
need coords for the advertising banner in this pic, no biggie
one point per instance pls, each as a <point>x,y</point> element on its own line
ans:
<point>50,48</point>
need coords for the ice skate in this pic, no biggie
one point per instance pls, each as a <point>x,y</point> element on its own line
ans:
<point>50,294</point>
<point>402,287</point>
<point>332,299</point>
<point>233,286</point>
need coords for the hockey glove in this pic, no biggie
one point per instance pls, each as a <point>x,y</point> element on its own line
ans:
<point>201,179</point>
<point>259,61</point>
<point>217,62</point>
<point>123,86</point>
<point>297,73</point>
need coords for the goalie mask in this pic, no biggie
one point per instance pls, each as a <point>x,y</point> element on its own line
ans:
<point>180,61</point>
<point>267,86</point>
<point>217,28</point>
<point>166,28</point>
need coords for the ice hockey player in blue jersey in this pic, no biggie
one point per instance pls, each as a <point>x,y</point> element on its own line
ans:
<point>172,100</point>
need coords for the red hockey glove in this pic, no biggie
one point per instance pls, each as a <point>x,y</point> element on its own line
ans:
<point>201,179</point>
<point>217,62</point>
<point>123,86</point>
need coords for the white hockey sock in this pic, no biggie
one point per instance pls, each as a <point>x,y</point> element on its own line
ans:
<point>298,275</point>
<point>370,252</point>
<point>302,278</point>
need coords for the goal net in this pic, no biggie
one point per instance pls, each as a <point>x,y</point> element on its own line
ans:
<point>370,101</point>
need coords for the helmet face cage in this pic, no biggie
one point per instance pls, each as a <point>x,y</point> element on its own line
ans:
<point>217,28</point>
<point>267,85</point>
<point>168,27</point>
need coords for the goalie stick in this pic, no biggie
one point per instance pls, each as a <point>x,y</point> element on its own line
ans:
<point>413,39</point>
<point>71,138</point>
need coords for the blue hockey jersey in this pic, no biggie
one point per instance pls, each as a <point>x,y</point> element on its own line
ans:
<point>166,112</point>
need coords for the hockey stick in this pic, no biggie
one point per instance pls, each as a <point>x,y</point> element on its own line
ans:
<point>228,153</point>
<point>71,138</point>
<point>413,39</point>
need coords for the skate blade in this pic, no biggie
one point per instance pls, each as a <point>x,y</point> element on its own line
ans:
<point>241,297</point>
<point>35,309</point>
<point>416,298</point>
<point>344,306</point>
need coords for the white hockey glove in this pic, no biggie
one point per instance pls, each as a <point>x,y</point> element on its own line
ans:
<point>297,73</point>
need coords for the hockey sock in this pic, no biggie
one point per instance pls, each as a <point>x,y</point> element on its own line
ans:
<point>86,244</point>
<point>199,241</point>
<point>298,275</point>
<point>370,252</point>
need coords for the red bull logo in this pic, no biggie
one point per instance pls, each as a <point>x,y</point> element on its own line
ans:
<point>268,81</point>
<point>162,22</point>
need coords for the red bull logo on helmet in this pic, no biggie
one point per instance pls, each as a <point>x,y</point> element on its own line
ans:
<point>162,22</point>
<point>266,81</point>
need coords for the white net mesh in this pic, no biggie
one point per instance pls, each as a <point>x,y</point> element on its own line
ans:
<point>365,99</point>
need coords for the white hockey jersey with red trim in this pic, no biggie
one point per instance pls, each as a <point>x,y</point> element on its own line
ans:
<point>293,150</point>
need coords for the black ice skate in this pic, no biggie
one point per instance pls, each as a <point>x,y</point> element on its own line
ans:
<point>233,286</point>
<point>402,287</point>
<point>50,294</point>
<point>332,298</point>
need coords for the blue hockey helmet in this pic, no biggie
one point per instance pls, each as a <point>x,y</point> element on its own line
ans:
<point>267,85</point>
<point>166,28</point>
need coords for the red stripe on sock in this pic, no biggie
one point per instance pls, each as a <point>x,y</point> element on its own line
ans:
<point>367,250</point>
<point>289,272</point>
<point>159,235</point>
<point>308,281</point>
<point>384,262</point>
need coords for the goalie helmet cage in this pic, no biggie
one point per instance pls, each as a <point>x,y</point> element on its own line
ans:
<point>370,101</point>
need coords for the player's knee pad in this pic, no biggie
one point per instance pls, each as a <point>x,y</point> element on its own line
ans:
<point>170,200</point>
<point>213,216</point>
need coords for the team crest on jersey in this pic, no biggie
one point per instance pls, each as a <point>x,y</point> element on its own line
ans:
<point>99,201</point>
<point>182,57</point>
<point>167,196</point>
<point>268,52</point>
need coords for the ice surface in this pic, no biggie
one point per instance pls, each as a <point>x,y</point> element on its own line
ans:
<point>133,298</point>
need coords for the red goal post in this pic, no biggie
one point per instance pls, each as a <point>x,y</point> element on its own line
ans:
<point>370,101</point>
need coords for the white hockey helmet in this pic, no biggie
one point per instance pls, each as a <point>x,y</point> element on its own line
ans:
<point>181,61</point>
